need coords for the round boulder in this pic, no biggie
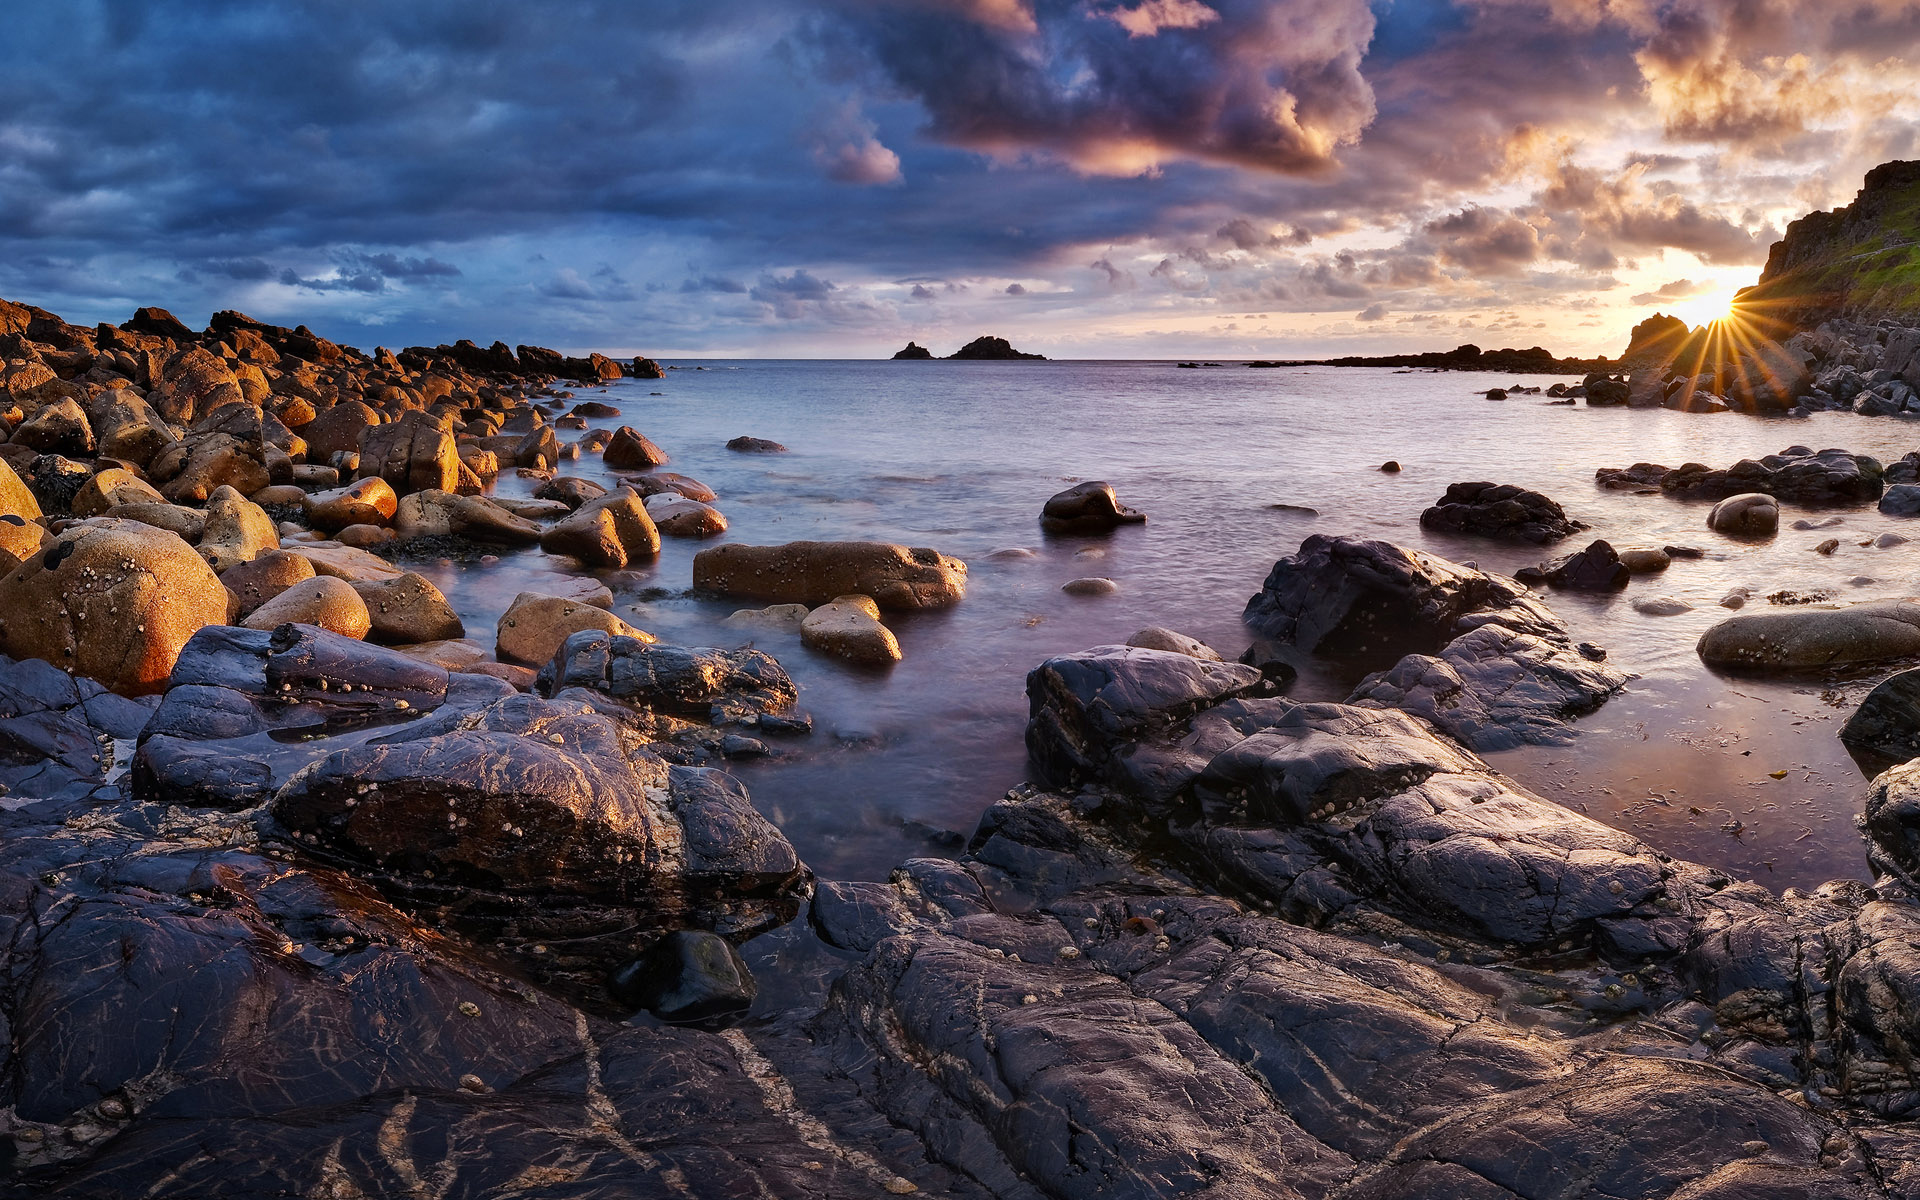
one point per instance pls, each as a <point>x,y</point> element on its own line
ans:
<point>850,628</point>
<point>1750,514</point>
<point>534,627</point>
<point>111,600</point>
<point>678,516</point>
<point>329,603</point>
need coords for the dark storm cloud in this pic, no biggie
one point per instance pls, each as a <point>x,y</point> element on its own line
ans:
<point>573,170</point>
<point>1122,85</point>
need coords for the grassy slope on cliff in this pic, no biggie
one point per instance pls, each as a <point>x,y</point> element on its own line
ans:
<point>1861,261</point>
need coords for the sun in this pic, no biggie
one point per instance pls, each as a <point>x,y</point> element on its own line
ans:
<point>1706,308</point>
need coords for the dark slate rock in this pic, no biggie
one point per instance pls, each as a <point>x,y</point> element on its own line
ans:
<point>1501,511</point>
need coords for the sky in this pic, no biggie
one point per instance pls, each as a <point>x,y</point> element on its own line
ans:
<point>831,178</point>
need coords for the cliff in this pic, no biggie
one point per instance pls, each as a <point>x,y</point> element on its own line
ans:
<point>1860,262</point>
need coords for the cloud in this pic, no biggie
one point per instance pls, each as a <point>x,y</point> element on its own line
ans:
<point>1372,312</point>
<point>1014,289</point>
<point>1149,17</point>
<point>1679,289</point>
<point>1484,240</point>
<point>1276,86</point>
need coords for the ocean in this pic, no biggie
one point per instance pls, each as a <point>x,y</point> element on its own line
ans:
<point>961,457</point>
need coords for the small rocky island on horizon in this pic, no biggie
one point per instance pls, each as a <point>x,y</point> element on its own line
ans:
<point>980,349</point>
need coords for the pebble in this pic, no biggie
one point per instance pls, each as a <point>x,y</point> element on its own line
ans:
<point>469,1009</point>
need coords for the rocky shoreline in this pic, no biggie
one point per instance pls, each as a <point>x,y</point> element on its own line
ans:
<point>307,894</point>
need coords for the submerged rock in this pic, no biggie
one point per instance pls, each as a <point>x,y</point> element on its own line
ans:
<point>813,573</point>
<point>1089,507</point>
<point>1501,511</point>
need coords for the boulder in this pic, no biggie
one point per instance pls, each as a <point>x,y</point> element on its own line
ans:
<point>236,530</point>
<point>443,514</point>
<point>363,502</point>
<point>1473,652</point>
<point>21,532</point>
<point>1598,568</point>
<point>716,687</point>
<point>1091,585</point>
<point>107,488</point>
<point>850,628</point>
<point>631,451</point>
<point>323,601</point>
<point>1645,560</point>
<point>1748,515</point>
<point>1811,637</point>
<point>1085,708</point>
<point>338,429</point>
<point>1090,507</point>
<point>192,382</point>
<point>186,523</point>
<point>259,580</point>
<point>1797,473</point>
<point>211,462</point>
<point>611,531</point>
<point>534,627</point>
<point>112,600</point>
<point>688,977</point>
<point>415,453</point>
<point>408,610</point>
<point>1885,729</point>
<point>754,445</point>
<point>60,427</point>
<point>677,516</point>
<point>1501,511</point>
<point>814,573</point>
<point>1901,500</point>
<point>1156,637</point>
<point>658,482</point>
<point>343,562</point>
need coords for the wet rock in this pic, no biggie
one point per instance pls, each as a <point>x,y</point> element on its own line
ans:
<point>1472,651</point>
<point>1661,606</point>
<point>1635,478</point>
<point>111,600</point>
<point>1746,515</point>
<point>408,609</point>
<point>1501,511</point>
<point>1885,729</point>
<point>1812,637</point>
<point>1645,560</point>
<point>323,601</point>
<point>1155,637</point>
<point>1598,568</point>
<point>1901,500</point>
<point>1494,689</point>
<point>754,445</point>
<point>1089,507</point>
<point>688,977</point>
<point>677,516</point>
<point>534,627</point>
<point>813,573</point>
<point>787,617</point>
<point>608,532</point>
<point>1797,474</point>
<point>660,482</point>
<point>850,628</point>
<point>1085,707</point>
<point>569,490</point>
<point>1390,467</point>
<point>630,450</point>
<point>718,687</point>
<point>1090,586</point>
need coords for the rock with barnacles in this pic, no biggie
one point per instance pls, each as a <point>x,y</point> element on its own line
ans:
<point>112,600</point>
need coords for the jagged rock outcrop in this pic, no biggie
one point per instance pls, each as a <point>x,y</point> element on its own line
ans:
<point>1471,651</point>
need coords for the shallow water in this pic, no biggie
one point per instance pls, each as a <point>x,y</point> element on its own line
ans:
<point>961,456</point>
